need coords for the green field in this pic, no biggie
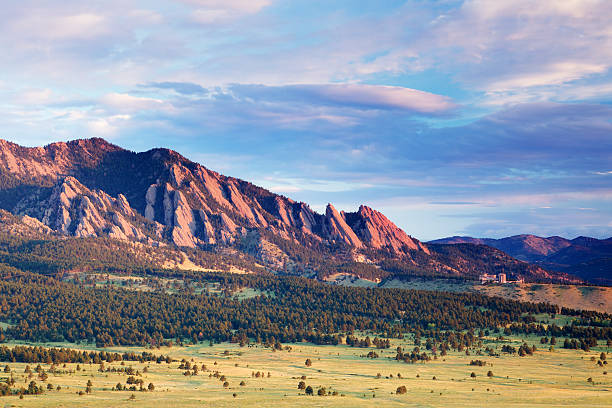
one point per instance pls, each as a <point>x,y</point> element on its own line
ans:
<point>547,379</point>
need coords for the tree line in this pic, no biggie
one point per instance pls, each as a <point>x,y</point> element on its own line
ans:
<point>38,354</point>
<point>42,308</point>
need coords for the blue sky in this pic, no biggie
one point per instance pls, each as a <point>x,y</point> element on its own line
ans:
<point>482,118</point>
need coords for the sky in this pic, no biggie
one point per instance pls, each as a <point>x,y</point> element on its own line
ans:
<point>481,118</point>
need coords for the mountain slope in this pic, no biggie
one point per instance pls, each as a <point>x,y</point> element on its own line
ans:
<point>198,206</point>
<point>525,247</point>
<point>585,257</point>
<point>91,188</point>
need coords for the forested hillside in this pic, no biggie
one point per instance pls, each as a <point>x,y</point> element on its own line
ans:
<point>585,257</point>
<point>288,309</point>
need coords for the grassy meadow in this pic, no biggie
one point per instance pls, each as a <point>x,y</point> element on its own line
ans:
<point>548,378</point>
<point>597,298</point>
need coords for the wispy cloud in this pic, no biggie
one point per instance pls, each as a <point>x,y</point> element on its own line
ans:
<point>184,88</point>
<point>465,115</point>
<point>82,26</point>
<point>355,95</point>
<point>514,46</point>
<point>240,6</point>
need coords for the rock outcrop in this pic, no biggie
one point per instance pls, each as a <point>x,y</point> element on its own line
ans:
<point>76,210</point>
<point>377,231</point>
<point>91,188</point>
<point>337,229</point>
<point>50,163</point>
<point>93,192</point>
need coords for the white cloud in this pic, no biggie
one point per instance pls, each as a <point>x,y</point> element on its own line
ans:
<point>520,50</point>
<point>221,11</point>
<point>359,96</point>
<point>389,97</point>
<point>502,8</point>
<point>553,74</point>
<point>292,185</point>
<point>59,27</point>
<point>146,16</point>
<point>240,6</point>
<point>33,97</point>
<point>106,127</point>
<point>128,103</point>
<point>210,16</point>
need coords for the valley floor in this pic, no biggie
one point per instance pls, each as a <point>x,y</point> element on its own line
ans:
<point>547,379</point>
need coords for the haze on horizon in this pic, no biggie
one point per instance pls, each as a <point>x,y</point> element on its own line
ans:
<point>481,118</point>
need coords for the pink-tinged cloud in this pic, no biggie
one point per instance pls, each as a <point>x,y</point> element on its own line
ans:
<point>393,97</point>
<point>521,50</point>
<point>220,11</point>
<point>242,6</point>
<point>128,103</point>
<point>352,95</point>
<point>61,27</point>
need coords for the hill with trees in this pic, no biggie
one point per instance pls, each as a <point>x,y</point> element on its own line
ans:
<point>585,257</point>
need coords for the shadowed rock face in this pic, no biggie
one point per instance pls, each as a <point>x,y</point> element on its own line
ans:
<point>93,188</point>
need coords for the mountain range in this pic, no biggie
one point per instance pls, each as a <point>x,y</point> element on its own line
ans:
<point>89,188</point>
<point>585,257</point>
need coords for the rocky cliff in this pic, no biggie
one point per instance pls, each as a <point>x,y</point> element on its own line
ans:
<point>91,188</point>
<point>95,188</point>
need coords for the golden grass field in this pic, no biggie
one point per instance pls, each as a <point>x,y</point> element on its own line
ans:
<point>597,298</point>
<point>546,379</point>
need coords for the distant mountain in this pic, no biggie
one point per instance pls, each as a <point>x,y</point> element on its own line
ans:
<point>526,247</point>
<point>585,257</point>
<point>90,188</point>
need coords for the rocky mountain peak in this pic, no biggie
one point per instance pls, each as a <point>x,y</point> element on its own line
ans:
<point>55,160</point>
<point>80,151</point>
<point>194,205</point>
<point>168,156</point>
<point>92,188</point>
<point>336,228</point>
<point>379,232</point>
<point>93,144</point>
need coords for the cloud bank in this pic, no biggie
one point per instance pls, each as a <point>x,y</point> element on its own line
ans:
<point>471,117</point>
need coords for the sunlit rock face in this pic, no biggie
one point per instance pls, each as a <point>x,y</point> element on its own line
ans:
<point>94,188</point>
